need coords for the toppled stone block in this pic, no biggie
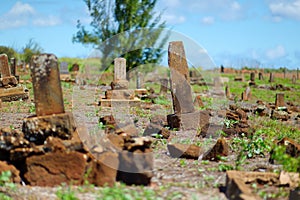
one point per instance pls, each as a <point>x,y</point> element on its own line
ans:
<point>37,129</point>
<point>184,151</point>
<point>188,121</point>
<point>220,149</point>
<point>280,115</point>
<point>103,171</point>
<point>120,94</point>
<point>14,93</point>
<point>135,168</point>
<point>55,168</point>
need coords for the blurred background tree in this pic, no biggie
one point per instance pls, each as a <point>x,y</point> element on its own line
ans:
<point>30,49</point>
<point>124,28</point>
<point>9,51</point>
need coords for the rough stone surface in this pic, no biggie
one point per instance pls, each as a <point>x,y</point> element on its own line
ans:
<point>15,174</point>
<point>180,81</point>
<point>119,85</point>
<point>37,129</point>
<point>220,149</point>
<point>47,90</point>
<point>280,115</point>
<point>184,151</point>
<point>198,101</point>
<point>120,94</point>
<point>55,168</point>
<point>189,120</point>
<point>279,100</point>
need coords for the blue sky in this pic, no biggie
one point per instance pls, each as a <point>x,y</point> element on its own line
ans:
<point>257,33</point>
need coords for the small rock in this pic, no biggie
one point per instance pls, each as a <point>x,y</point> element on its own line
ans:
<point>184,151</point>
<point>221,148</point>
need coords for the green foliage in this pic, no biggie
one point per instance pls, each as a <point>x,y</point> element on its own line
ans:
<point>162,100</point>
<point>5,181</point>
<point>119,29</point>
<point>9,51</point>
<point>122,193</point>
<point>66,193</point>
<point>30,49</point>
<point>289,164</point>
<point>249,147</point>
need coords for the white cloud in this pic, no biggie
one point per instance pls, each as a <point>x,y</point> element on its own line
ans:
<point>47,21</point>
<point>276,53</point>
<point>173,19</point>
<point>208,20</point>
<point>21,9</point>
<point>285,9</point>
<point>24,14</point>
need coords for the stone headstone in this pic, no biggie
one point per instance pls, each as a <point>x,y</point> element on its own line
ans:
<point>180,80</point>
<point>46,85</point>
<point>227,92</point>
<point>294,79</point>
<point>271,79</point>
<point>297,73</point>
<point>13,66</point>
<point>246,95</point>
<point>119,69</point>
<point>279,101</point>
<point>64,68</point>
<point>260,76</point>
<point>139,80</point>
<point>164,82</point>
<point>6,76</point>
<point>252,76</point>
<point>222,69</point>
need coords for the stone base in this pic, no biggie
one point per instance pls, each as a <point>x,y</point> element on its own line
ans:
<point>119,85</point>
<point>188,121</point>
<point>14,93</point>
<point>109,102</point>
<point>11,80</point>
<point>120,94</point>
<point>38,129</point>
<point>66,78</point>
<point>140,92</point>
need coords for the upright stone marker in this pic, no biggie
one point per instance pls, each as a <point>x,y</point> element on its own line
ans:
<point>64,68</point>
<point>139,80</point>
<point>51,119</point>
<point>297,73</point>
<point>279,101</point>
<point>260,76</point>
<point>294,79</point>
<point>252,76</point>
<point>6,77</point>
<point>180,80</point>
<point>164,82</point>
<point>120,82</point>
<point>271,80</point>
<point>13,66</point>
<point>46,85</point>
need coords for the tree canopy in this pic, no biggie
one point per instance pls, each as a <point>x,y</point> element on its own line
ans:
<point>124,28</point>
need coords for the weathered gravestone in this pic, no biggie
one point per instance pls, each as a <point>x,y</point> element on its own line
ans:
<point>9,88</point>
<point>260,76</point>
<point>119,93</point>
<point>271,79</point>
<point>164,82</point>
<point>64,73</point>
<point>279,101</point>
<point>294,79</point>
<point>246,95</point>
<point>184,112</point>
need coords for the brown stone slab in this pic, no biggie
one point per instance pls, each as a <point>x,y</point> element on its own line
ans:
<point>120,94</point>
<point>188,121</point>
<point>38,129</point>
<point>180,80</point>
<point>13,93</point>
<point>47,90</point>
<point>279,101</point>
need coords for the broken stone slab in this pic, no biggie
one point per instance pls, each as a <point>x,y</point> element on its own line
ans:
<point>238,182</point>
<point>280,115</point>
<point>135,167</point>
<point>52,169</point>
<point>136,102</point>
<point>37,128</point>
<point>189,151</point>
<point>120,94</point>
<point>180,80</point>
<point>188,121</point>
<point>14,93</point>
<point>220,149</point>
